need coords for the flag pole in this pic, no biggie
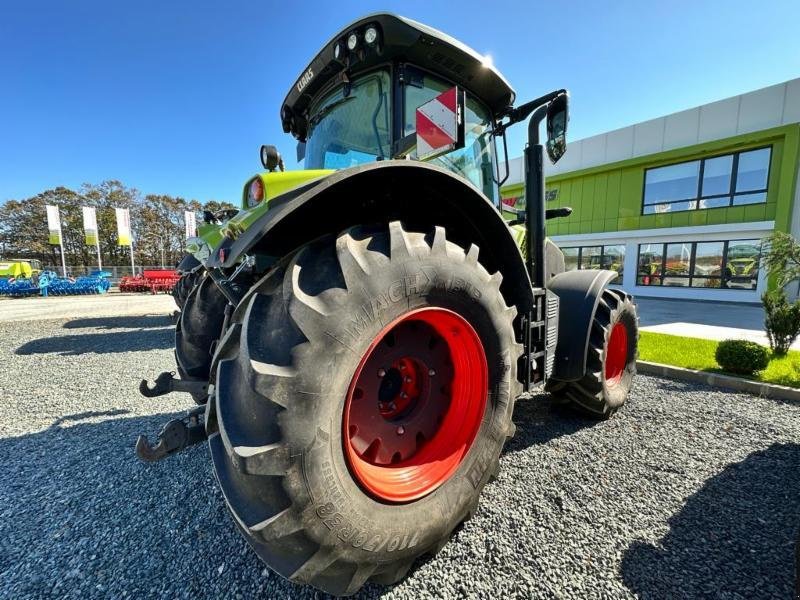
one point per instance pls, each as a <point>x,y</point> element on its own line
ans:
<point>63,260</point>
<point>99,259</point>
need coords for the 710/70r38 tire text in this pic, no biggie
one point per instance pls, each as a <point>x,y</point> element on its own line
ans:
<point>363,394</point>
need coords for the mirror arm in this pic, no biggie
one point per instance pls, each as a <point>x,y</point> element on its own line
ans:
<point>520,113</point>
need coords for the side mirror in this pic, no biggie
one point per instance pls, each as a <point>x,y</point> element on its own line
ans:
<point>557,119</point>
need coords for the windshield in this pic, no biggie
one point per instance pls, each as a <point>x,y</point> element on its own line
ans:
<point>345,131</point>
<point>475,160</point>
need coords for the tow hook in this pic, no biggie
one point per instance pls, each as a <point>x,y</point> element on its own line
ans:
<point>176,435</point>
<point>166,383</point>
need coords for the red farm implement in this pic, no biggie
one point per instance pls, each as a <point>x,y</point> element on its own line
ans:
<point>152,280</point>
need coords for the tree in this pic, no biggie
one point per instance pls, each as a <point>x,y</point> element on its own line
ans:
<point>782,258</point>
<point>106,197</point>
<point>157,222</point>
<point>782,319</point>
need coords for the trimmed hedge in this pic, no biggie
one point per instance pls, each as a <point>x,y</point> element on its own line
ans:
<point>742,357</point>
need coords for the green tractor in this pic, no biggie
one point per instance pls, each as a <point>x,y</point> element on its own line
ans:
<point>15,268</point>
<point>358,334</point>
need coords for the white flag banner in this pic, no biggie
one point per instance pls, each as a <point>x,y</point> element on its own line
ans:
<point>123,227</point>
<point>191,223</point>
<point>89,225</point>
<point>54,225</point>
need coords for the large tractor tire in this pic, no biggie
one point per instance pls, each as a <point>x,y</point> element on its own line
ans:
<point>610,362</point>
<point>199,326</point>
<point>364,392</point>
<point>184,286</point>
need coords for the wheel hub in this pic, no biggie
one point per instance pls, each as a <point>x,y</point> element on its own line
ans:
<point>402,387</point>
<point>406,406</point>
<point>415,404</point>
<point>616,354</point>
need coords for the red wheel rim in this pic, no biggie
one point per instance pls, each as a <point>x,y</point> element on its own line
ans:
<point>616,354</point>
<point>415,404</point>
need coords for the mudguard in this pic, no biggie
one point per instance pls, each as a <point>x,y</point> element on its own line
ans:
<point>578,294</point>
<point>188,263</point>
<point>416,193</point>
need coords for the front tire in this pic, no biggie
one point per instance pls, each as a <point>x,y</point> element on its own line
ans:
<point>610,362</point>
<point>306,439</point>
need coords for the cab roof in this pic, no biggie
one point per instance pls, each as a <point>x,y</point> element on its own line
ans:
<point>399,40</point>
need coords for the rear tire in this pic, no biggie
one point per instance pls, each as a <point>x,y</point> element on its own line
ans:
<point>199,326</point>
<point>610,362</point>
<point>289,367</point>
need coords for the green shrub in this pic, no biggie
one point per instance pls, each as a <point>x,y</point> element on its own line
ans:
<point>782,320</point>
<point>741,356</point>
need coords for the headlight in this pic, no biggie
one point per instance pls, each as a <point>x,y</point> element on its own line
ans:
<point>255,192</point>
<point>352,41</point>
<point>371,35</point>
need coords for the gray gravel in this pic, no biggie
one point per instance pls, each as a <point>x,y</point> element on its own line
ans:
<point>688,492</point>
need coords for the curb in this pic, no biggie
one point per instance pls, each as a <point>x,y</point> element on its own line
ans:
<point>758,388</point>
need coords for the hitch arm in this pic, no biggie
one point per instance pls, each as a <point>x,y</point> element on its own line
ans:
<point>176,435</point>
<point>166,383</point>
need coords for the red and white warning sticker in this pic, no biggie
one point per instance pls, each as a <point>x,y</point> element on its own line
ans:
<point>437,124</point>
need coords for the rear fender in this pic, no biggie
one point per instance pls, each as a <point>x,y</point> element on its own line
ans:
<point>188,263</point>
<point>419,194</point>
<point>578,294</point>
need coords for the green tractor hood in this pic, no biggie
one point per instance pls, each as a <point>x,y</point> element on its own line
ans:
<point>275,185</point>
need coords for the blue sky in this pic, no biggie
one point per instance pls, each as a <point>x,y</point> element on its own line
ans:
<point>176,97</point>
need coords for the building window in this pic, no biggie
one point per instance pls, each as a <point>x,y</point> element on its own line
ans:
<point>596,257</point>
<point>729,180</point>
<point>722,265</point>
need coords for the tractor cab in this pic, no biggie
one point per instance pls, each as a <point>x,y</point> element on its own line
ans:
<point>387,88</point>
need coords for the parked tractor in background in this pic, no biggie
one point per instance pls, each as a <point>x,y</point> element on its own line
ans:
<point>358,334</point>
<point>19,277</point>
<point>17,268</point>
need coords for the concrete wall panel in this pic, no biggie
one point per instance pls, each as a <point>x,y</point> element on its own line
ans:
<point>718,120</point>
<point>619,144</point>
<point>648,137</point>
<point>681,129</point>
<point>761,109</point>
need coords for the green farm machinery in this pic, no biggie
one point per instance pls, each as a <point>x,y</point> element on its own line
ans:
<point>357,334</point>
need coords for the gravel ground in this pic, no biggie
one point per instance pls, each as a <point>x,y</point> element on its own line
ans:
<point>688,492</point>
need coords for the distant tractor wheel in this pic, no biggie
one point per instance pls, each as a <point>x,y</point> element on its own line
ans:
<point>363,394</point>
<point>199,326</point>
<point>184,286</point>
<point>611,359</point>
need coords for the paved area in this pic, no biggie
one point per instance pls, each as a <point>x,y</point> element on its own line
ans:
<point>687,492</point>
<point>708,320</point>
<point>61,307</point>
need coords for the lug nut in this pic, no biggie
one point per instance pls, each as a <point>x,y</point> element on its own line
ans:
<point>408,379</point>
<point>401,430</point>
<point>431,372</point>
<point>402,367</point>
<point>403,395</point>
<point>381,372</point>
<point>392,406</point>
